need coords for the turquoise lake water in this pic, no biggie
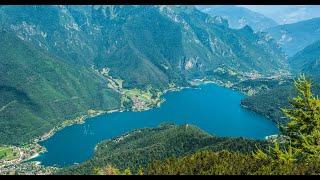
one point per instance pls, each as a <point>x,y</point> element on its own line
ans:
<point>213,108</point>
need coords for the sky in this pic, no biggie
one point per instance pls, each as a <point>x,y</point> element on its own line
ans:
<point>285,14</point>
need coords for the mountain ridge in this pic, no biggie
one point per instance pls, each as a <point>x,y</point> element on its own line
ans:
<point>294,37</point>
<point>307,61</point>
<point>238,17</point>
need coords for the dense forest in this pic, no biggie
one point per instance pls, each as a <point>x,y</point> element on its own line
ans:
<point>228,163</point>
<point>38,91</point>
<point>270,101</point>
<point>139,148</point>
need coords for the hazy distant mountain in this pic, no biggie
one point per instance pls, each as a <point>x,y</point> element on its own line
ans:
<point>287,14</point>
<point>295,37</point>
<point>238,17</point>
<point>307,61</point>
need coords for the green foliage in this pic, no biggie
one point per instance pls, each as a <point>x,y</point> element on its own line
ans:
<point>270,102</point>
<point>302,131</point>
<point>8,153</point>
<point>228,163</point>
<point>108,170</point>
<point>304,126</point>
<point>39,91</point>
<point>127,171</point>
<point>139,148</point>
<point>276,154</point>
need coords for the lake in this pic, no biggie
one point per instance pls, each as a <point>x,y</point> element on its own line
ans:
<point>213,108</point>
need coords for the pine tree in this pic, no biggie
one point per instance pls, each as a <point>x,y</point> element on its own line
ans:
<point>304,126</point>
<point>303,130</point>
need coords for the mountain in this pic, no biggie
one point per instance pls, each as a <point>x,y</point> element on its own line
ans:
<point>307,61</point>
<point>270,102</point>
<point>140,147</point>
<point>238,17</point>
<point>38,91</point>
<point>287,14</point>
<point>294,37</point>
<point>55,72</point>
<point>143,45</point>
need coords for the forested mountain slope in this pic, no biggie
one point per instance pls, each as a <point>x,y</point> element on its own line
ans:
<point>270,102</point>
<point>39,91</point>
<point>307,61</point>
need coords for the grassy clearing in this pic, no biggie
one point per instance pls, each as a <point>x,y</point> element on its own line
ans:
<point>143,95</point>
<point>8,153</point>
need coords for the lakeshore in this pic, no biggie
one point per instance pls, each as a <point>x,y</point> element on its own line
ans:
<point>34,149</point>
<point>147,102</point>
<point>207,106</point>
